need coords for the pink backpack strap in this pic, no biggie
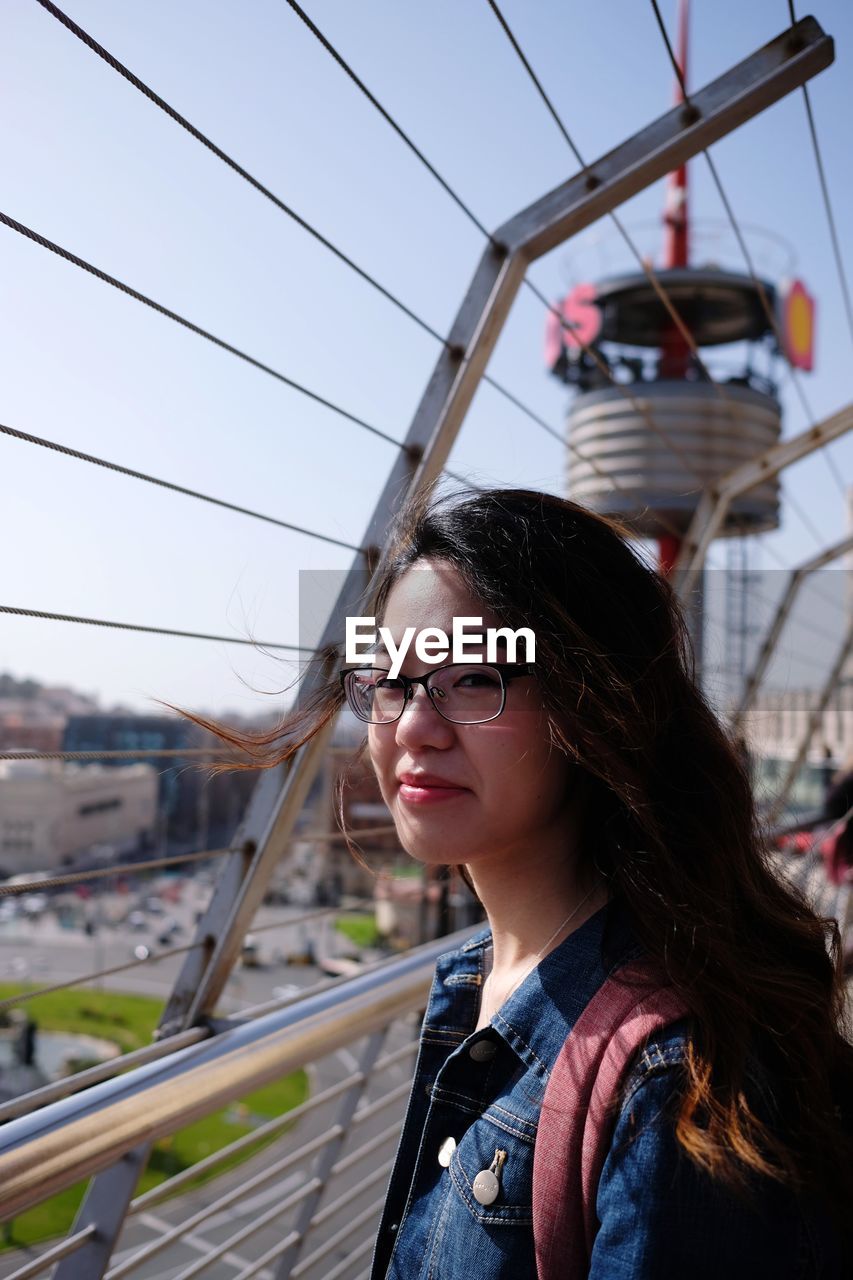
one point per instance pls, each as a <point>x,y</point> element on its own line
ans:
<point>576,1121</point>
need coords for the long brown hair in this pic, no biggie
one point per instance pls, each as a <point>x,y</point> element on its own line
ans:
<point>671,820</point>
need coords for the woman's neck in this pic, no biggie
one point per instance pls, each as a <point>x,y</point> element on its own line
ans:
<point>527,899</point>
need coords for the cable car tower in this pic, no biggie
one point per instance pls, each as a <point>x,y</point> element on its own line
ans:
<point>650,427</point>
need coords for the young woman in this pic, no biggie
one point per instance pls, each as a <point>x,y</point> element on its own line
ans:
<point>601,814</point>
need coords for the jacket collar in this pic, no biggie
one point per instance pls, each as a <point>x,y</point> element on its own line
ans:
<point>538,1016</point>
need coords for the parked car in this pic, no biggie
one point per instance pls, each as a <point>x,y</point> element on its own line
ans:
<point>34,904</point>
<point>169,929</point>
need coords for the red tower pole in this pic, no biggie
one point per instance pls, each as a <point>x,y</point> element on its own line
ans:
<point>676,251</point>
<point>675,351</point>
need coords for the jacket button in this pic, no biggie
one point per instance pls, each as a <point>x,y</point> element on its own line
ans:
<point>486,1187</point>
<point>395,1226</point>
<point>445,1152</point>
<point>483,1050</point>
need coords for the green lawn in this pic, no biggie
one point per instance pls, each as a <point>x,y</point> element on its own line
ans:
<point>360,929</point>
<point>129,1022</point>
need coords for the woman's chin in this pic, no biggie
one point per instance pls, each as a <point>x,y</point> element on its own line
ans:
<point>436,853</point>
<point>437,849</point>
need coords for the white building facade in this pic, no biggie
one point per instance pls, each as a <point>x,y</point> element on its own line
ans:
<point>51,812</point>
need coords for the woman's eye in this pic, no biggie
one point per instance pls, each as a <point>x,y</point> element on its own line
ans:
<point>476,680</point>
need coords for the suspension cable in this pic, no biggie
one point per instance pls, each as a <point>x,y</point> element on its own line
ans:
<point>585,458</point>
<point>233,164</point>
<point>148,753</point>
<point>154,958</point>
<point>638,405</point>
<point>386,115</point>
<point>196,133</point>
<point>139,84</point>
<point>650,274</point>
<point>23,997</point>
<point>167,484</point>
<point>101,873</point>
<point>160,631</point>
<point>648,271</point>
<point>827,203</point>
<point>153,97</point>
<point>41,240</point>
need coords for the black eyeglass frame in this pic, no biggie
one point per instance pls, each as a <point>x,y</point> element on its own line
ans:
<point>506,670</point>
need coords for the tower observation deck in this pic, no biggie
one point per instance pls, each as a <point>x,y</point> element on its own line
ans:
<point>676,377</point>
<point>621,465</point>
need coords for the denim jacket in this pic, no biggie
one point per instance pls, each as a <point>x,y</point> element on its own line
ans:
<point>479,1093</point>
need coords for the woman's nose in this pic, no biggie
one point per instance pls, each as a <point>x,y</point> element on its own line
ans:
<point>421,724</point>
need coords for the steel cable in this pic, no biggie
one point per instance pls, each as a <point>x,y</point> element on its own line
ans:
<point>176,116</point>
<point>167,484</point>
<point>824,186</point>
<point>101,873</point>
<point>386,115</point>
<point>152,958</point>
<point>9,1002</point>
<point>43,241</point>
<point>170,111</point>
<point>160,631</point>
<point>638,406</point>
<point>148,753</point>
<point>647,270</point>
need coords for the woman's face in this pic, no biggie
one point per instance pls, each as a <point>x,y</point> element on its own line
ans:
<point>507,786</point>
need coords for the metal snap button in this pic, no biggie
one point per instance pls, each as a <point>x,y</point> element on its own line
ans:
<point>486,1187</point>
<point>483,1050</point>
<point>445,1152</point>
<point>487,1182</point>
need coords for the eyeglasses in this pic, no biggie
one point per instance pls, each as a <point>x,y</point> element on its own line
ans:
<point>461,692</point>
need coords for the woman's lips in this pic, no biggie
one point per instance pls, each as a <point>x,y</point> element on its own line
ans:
<point>429,792</point>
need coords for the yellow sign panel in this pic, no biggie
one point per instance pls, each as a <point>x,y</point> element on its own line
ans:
<point>798,323</point>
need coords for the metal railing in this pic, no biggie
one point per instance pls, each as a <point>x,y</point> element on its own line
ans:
<point>331,1153</point>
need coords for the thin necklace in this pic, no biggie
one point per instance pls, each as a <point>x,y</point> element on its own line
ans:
<point>541,953</point>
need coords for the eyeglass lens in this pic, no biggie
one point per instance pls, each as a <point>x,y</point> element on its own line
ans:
<point>463,694</point>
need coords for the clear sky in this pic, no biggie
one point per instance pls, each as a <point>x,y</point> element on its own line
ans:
<point>88,162</point>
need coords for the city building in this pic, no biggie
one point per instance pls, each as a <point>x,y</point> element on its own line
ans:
<point>195,809</point>
<point>33,716</point>
<point>53,815</point>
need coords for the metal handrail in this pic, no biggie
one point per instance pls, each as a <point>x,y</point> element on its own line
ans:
<point>58,1251</point>
<point>168,1188</point>
<point>54,1147</point>
<point>48,1093</point>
